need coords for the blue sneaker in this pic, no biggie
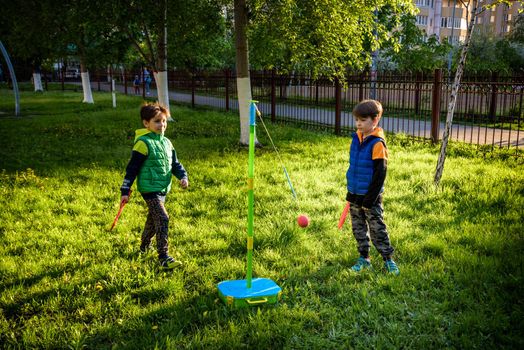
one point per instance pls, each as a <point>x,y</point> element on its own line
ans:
<point>391,267</point>
<point>361,264</point>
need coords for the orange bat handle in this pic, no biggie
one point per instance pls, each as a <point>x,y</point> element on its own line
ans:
<point>343,216</point>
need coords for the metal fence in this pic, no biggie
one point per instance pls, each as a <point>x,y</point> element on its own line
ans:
<point>488,113</point>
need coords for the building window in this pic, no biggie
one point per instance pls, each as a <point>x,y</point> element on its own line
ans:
<point>421,20</point>
<point>447,21</point>
<point>424,3</point>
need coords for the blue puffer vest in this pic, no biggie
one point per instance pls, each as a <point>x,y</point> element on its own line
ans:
<point>360,172</point>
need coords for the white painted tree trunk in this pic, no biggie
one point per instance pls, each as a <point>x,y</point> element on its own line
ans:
<point>162,89</point>
<point>453,97</point>
<point>242,60</point>
<point>244,101</point>
<point>86,87</point>
<point>37,81</point>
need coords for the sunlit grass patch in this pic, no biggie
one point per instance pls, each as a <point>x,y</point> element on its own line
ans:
<point>66,281</point>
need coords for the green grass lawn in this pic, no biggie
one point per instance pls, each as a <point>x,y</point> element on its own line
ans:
<point>66,282</point>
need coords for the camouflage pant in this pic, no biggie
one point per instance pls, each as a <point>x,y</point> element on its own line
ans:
<point>368,224</point>
<point>157,223</point>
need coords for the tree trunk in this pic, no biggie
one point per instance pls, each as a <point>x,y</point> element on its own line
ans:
<point>242,66</point>
<point>161,64</point>
<point>86,83</point>
<point>37,77</point>
<point>37,81</point>
<point>454,93</point>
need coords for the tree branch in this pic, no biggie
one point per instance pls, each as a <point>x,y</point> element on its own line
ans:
<point>150,46</point>
<point>136,44</point>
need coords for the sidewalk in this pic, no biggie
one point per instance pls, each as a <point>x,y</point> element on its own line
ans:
<point>421,128</point>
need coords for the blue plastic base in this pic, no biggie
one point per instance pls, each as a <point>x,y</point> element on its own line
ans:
<point>236,293</point>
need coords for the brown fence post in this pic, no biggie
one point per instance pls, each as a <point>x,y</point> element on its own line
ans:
<point>63,75</point>
<point>227,90</point>
<point>316,91</point>
<point>435,106</point>
<point>98,78</point>
<point>45,81</point>
<point>125,81</point>
<point>494,90</point>
<point>193,90</point>
<point>111,78</point>
<point>273,96</point>
<point>418,78</point>
<point>338,109</point>
<point>361,86</point>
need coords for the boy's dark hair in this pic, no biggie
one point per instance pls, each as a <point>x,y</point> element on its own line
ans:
<point>151,110</point>
<point>368,109</point>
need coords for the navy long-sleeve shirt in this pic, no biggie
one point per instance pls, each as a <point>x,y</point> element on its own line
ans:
<point>135,163</point>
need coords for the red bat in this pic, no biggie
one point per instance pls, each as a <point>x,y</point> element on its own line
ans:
<point>122,205</point>
<point>343,216</point>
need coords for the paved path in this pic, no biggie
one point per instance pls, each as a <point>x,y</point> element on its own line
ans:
<point>466,133</point>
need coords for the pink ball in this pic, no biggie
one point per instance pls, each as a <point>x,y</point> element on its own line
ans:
<point>303,220</point>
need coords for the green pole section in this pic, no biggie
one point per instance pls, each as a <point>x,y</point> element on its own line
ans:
<point>250,192</point>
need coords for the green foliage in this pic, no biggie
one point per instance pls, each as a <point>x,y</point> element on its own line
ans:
<point>65,282</point>
<point>323,37</point>
<point>24,35</point>
<point>492,53</point>
<point>412,51</point>
<point>199,36</point>
<point>422,55</point>
<point>195,32</point>
<point>517,33</point>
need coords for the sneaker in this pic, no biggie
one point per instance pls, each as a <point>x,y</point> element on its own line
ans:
<point>391,267</point>
<point>361,264</point>
<point>169,263</point>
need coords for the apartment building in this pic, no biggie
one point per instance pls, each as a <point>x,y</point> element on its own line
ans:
<point>448,19</point>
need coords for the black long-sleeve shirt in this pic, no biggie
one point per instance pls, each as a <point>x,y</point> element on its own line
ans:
<point>136,162</point>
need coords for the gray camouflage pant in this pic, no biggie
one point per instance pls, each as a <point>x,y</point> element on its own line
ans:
<point>157,223</point>
<point>368,224</point>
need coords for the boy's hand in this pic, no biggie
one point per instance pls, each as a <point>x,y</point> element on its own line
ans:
<point>124,200</point>
<point>184,183</point>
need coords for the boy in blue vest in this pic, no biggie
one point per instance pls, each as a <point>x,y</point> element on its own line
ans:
<point>154,161</point>
<point>365,183</point>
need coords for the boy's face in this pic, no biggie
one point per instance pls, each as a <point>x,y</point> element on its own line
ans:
<point>366,125</point>
<point>158,124</point>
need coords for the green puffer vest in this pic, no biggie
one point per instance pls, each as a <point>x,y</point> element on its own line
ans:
<point>155,173</point>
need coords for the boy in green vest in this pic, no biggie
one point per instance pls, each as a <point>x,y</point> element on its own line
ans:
<point>365,177</point>
<point>154,161</point>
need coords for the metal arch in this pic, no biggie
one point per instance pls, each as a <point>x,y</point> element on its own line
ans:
<point>13,77</point>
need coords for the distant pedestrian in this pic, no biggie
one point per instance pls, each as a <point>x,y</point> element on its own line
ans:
<point>148,84</point>
<point>136,85</point>
<point>365,183</point>
<point>153,162</point>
